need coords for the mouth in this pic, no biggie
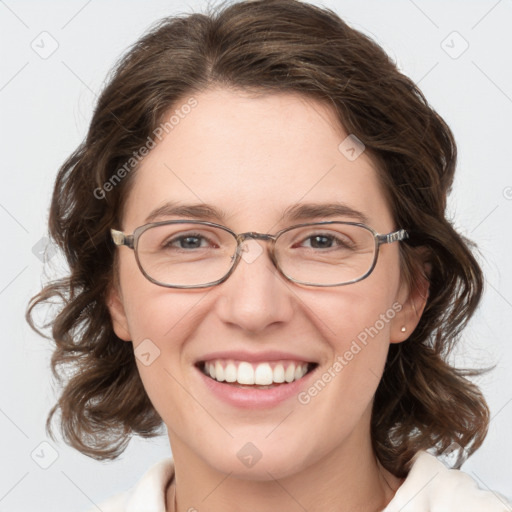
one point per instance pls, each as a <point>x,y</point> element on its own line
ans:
<point>260,375</point>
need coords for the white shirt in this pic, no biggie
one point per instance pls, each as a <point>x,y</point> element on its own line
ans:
<point>429,487</point>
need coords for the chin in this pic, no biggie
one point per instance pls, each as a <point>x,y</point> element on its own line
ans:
<point>258,460</point>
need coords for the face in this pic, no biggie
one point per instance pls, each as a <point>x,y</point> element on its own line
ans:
<point>253,157</point>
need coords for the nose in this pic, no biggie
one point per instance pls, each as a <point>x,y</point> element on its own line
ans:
<point>256,295</point>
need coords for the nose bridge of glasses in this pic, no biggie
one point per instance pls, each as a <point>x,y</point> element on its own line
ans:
<point>251,253</point>
<point>254,235</point>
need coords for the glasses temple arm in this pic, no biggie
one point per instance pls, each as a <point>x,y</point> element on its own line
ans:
<point>396,236</point>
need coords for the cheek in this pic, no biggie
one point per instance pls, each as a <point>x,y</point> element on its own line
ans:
<point>355,321</point>
<point>363,343</point>
<point>160,320</point>
<point>360,313</point>
<point>154,311</point>
<point>166,317</point>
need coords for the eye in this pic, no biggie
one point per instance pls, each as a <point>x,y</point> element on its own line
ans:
<point>328,241</point>
<point>188,241</point>
<point>321,241</point>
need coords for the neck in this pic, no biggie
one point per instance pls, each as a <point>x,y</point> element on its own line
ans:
<point>347,479</point>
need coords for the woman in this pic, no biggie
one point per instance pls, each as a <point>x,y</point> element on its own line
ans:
<point>260,261</point>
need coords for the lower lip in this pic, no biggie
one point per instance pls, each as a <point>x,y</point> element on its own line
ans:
<point>254,398</point>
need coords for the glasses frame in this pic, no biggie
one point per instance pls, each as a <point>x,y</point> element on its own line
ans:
<point>131,241</point>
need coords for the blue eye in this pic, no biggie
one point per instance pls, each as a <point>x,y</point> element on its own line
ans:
<point>188,241</point>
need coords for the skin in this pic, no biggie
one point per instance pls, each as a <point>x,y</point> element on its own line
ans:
<point>240,152</point>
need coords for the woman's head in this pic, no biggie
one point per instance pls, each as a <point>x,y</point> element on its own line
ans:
<point>255,109</point>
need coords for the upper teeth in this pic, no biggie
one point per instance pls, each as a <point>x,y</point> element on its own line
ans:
<point>261,374</point>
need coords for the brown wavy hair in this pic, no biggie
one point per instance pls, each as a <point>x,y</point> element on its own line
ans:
<point>266,46</point>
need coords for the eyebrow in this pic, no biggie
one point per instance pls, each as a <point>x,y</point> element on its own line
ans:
<point>295,213</point>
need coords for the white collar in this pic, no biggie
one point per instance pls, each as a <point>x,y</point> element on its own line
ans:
<point>430,486</point>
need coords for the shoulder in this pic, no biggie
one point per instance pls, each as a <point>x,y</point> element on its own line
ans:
<point>147,495</point>
<point>431,487</point>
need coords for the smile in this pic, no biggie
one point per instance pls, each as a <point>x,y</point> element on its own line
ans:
<point>259,374</point>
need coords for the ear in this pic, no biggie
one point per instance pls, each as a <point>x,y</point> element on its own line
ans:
<point>410,303</point>
<point>118,314</point>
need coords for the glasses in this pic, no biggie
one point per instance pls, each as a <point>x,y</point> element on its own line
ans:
<point>198,254</point>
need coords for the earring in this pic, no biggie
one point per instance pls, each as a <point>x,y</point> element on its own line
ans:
<point>403,329</point>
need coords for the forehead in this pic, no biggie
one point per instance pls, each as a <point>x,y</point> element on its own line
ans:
<point>253,157</point>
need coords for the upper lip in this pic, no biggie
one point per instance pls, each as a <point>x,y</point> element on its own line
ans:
<point>255,357</point>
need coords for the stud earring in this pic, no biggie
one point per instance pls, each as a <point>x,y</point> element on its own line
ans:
<point>403,329</point>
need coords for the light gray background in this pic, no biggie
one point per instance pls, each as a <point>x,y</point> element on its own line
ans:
<point>46,105</point>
